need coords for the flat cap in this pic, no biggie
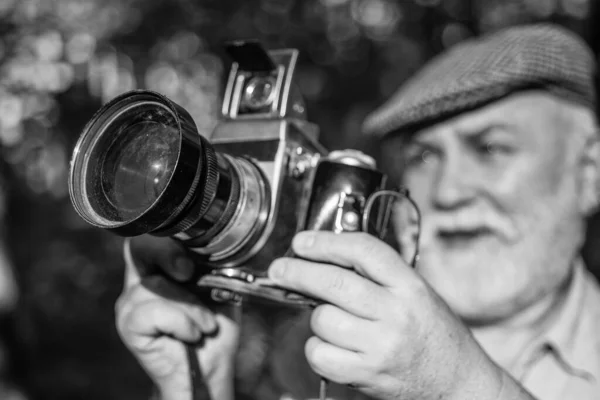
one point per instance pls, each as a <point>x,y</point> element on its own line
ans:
<point>478,71</point>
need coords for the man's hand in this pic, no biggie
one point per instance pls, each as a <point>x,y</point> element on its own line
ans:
<point>156,316</point>
<point>383,330</point>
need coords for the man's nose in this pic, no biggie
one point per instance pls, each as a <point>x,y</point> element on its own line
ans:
<point>455,184</point>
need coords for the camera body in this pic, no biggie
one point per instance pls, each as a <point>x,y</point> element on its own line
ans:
<point>308,187</point>
<point>237,199</point>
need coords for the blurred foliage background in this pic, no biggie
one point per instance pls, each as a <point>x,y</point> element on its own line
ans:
<point>62,59</point>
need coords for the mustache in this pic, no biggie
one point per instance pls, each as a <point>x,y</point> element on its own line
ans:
<point>454,221</point>
<point>464,223</point>
<point>469,222</point>
<point>446,224</point>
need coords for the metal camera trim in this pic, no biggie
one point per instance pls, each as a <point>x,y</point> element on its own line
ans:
<point>285,61</point>
<point>249,217</point>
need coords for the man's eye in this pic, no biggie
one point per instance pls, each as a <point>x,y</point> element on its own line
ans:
<point>420,157</point>
<point>495,148</point>
<point>427,156</point>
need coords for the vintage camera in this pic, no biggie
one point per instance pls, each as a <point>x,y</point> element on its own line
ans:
<point>140,167</point>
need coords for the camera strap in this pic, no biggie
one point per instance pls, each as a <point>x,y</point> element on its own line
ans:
<point>199,388</point>
<point>323,389</point>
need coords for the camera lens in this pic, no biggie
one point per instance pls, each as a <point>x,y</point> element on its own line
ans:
<point>139,164</point>
<point>140,167</point>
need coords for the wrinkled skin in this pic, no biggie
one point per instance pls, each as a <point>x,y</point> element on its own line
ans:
<point>382,329</point>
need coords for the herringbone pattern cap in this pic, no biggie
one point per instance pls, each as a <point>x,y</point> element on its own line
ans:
<point>479,71</point>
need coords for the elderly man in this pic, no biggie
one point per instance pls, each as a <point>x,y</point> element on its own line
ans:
<point>497,142</point>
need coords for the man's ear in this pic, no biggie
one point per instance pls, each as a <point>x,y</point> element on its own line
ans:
<point>589,198</point>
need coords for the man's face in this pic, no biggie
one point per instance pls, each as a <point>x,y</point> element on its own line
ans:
<point>498,191</point>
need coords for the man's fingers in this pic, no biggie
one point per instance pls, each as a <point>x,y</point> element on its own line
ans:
<point>341,328</point>
<point>331,362</point>
<point>341,287</point>
<point>155,318</point>
<point>158,291</point>
<point>365,253</point>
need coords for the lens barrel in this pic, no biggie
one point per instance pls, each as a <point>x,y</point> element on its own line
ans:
<point>140,167</point>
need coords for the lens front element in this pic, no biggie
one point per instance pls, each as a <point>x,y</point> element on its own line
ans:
<point>138,167</point>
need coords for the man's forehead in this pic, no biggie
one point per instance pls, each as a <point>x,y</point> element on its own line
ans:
<point>513,113</point>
